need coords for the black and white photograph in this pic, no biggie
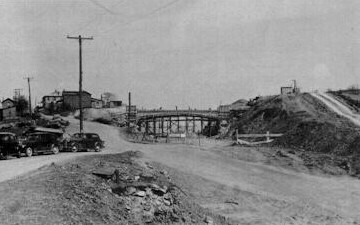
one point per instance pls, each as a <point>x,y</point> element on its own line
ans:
<point>164,112</point>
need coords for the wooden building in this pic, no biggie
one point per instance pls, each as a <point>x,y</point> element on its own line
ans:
<point>8,103</point>
<point>96,103</point>
<point>115,104</point>
<point>286,90</point>
<point>51,100</point>
<point>72,99</point>
<point>8,113</point>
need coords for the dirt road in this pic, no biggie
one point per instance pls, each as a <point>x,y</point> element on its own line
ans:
<point>338,107</point>
<point>264,194</point>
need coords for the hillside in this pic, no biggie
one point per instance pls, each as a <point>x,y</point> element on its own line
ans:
<point>307,124</point>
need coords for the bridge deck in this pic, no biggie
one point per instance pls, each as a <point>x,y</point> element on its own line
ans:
<point>196,113</point>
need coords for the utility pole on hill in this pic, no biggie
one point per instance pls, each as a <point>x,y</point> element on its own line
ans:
<point>28,80</point>
<point>80,77</point>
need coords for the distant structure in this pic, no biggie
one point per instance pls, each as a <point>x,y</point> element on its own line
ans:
<point>17,94</point>
<point>290,89</point>
<point>8,110</point>
<point>286,90</point>
<point>53,100</point>
<point>97,103</point>
<point>72,99</point>
<point>115,104</point>
<point>8,103</point>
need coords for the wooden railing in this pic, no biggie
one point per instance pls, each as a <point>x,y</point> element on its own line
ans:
<point>268,137</point>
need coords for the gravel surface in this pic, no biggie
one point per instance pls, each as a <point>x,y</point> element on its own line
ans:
<point>265,194</point>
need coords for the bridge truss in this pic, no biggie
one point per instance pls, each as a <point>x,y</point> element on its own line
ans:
<point>161,123</point>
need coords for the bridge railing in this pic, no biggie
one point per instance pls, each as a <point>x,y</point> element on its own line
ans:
<point>173,111</point>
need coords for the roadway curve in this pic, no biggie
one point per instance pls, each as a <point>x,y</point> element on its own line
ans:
<point>338,107</point>
<point>268,193</point>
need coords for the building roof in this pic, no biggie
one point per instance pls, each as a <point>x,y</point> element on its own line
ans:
<point>74,92</point>
<point>54,96</point>
<point>8,99</point>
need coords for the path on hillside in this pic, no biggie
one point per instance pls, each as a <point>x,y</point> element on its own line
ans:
<point>338,107</point>
<point>266,194</point>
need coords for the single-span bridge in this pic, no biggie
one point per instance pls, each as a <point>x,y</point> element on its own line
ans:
<point>162,122</point>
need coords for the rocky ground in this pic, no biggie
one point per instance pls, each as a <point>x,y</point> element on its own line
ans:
<point>103,189</point>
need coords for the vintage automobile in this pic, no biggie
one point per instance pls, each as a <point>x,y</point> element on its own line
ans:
<point>9,145</point>
<point>85,142</point>
<point>41,142</point>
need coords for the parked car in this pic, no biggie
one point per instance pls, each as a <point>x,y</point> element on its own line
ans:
<point>61,121</point>
<point>41,142</point>
<point>85,142</point>
<point>53,125</point>
<point>9,145</point>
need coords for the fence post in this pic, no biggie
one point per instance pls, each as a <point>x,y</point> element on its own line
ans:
<point>237,134</point>
<point>267,136</point>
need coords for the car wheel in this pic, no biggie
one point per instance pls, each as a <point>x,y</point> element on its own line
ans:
<point>55,149</point>
<point>74,148</point>
<point>4,157</point>
<point>97,147</point>
<point>29,152</point>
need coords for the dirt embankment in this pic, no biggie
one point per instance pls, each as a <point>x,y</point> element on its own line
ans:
<point>105,189</point>
<point>308,126</point>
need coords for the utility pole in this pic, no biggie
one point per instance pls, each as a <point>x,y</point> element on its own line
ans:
<point>28,80</point>
<point>80,77</point>
<point>294,81</point>
<point>129,110</point>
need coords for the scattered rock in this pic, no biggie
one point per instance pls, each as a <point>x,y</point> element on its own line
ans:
<point>209,220</point>
<point>167,202</point>
<point>104,173</point>
<point>150,166</point>
<point>130,190</point>
<point>232,202</point>
<point>140,194</point>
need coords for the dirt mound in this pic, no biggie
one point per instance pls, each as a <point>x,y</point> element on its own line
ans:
<point>105,189</point>
<point>306,123</point>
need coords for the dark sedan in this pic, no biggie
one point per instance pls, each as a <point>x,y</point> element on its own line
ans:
<point>9,145</point>
<point>85,142</point>
<point>39,143</point>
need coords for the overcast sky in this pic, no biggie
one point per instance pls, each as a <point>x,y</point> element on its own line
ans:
<point>189,53</point>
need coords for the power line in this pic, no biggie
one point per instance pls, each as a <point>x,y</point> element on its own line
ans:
<point>81,28</point>
<point>146,15</point>
<point>102,7</point>
<point>80,76</point>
